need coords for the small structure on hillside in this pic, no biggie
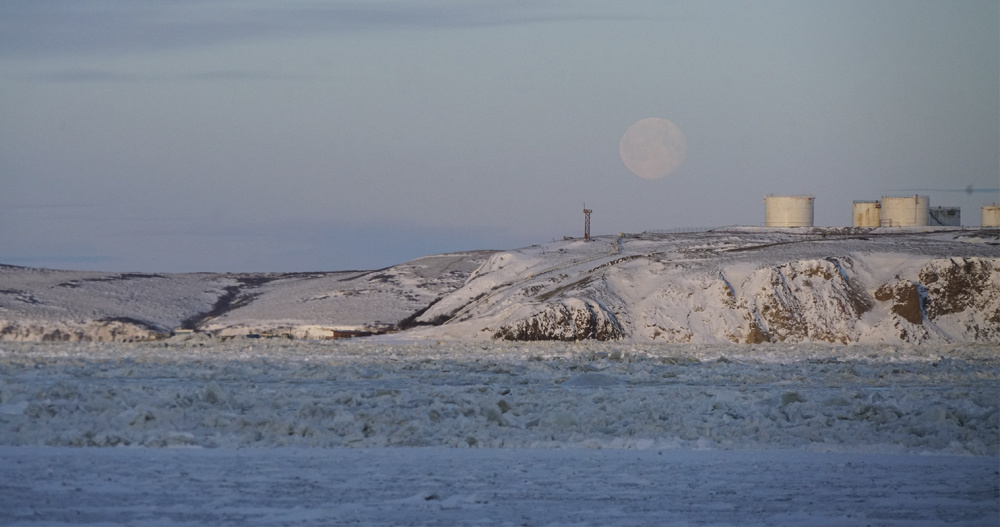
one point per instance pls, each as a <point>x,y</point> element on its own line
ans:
<point>909,211</point>
<point>586,222</point>
<point>788,211</point>
<point>866,213</point>
<point>945,217</point>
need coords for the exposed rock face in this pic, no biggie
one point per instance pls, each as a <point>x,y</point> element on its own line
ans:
<point>966,291</point>
<point>121,330</point>
<point>569,320</point>
<point>804,300</point>
<point>825,301</point>
<point>809,300</point>
<point>906,298</point>
<point>955,285</point>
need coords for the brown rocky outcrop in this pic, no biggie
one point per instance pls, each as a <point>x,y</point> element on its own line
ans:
<point>569,320</point>
<point>905,297</point>
<point>804,300</point>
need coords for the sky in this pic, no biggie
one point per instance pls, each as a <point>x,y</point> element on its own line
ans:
<point>222,135</point>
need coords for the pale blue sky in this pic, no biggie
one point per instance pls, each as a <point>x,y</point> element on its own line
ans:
<point>307,135</point>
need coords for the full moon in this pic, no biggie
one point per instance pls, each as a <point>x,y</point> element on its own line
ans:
<point>653,148</point>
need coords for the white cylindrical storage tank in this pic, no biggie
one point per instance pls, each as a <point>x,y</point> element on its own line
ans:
<point>866,214</point>
<point>991,215</point>
<point>911,211</point>
<point>788,211</point>
<point>945,217</point>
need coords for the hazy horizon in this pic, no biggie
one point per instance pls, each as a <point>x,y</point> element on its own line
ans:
<point>304,136</point>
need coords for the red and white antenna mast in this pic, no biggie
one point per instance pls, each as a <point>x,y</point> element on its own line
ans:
<point>586,222</point>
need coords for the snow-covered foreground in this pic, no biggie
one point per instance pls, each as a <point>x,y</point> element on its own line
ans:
<point>438,486</point>
<point>493,433</point>
<point>278,392</point>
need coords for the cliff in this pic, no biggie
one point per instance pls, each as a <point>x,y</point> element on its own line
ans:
<point>791,285</point>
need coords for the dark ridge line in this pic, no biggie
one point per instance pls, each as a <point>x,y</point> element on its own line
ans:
<point>410,322</point>
<point>775,244</point>
<point>222,305</point>
<point>9,266</point>
<point>233,298</point>
<point>121,277</point>
<point>365,273</point>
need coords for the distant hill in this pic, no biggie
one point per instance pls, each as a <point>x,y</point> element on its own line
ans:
<point>745,285</point>
<point>46,305</point>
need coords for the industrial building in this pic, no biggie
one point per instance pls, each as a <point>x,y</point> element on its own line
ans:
<point>945,217</point>
<point>991,215</point>
<point>890,211</point>
<point>788,211</point>
<point>866,213</point>
<point>909,211</point>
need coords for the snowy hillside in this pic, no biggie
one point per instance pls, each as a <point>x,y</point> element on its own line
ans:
<point>743,286</point>
<point>40,304</point>
<point>311,306</point>
<point>47,305</point>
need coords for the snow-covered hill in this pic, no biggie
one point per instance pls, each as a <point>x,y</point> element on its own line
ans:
<point>47,305</point>
<point>744,286</point>
<point>741,285</point>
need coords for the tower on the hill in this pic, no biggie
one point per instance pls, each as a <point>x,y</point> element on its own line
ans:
<point>586,222</point>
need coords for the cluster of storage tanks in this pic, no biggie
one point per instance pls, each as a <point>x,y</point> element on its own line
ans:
<point>890,211</point>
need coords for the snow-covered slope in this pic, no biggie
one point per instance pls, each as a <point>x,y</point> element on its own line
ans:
<point>311,306</point>
<point>47,305</point>
<point>744,286</point>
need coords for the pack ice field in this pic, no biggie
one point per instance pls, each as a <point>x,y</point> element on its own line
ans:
<point>295,393</point>
<point>884,435</point>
